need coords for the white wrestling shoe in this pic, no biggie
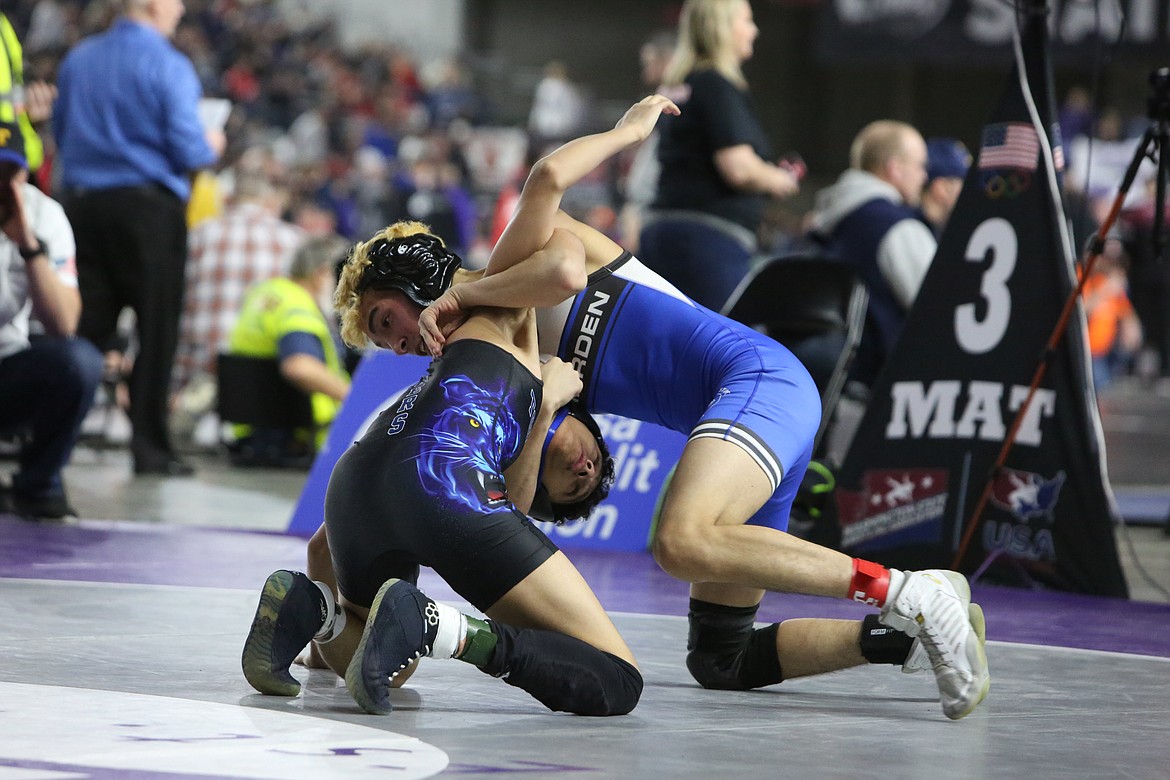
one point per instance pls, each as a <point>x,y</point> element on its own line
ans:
<point>919,661</point>
<point>933,606</point>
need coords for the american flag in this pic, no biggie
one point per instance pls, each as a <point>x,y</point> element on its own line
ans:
<point>1009,145</point>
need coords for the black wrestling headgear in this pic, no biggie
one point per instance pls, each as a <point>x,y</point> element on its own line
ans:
<point>418,265</point>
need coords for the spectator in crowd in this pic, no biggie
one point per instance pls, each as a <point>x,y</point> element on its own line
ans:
<point>129,136</point>
<point>558,107</point>
<point>868,220</point>
<point>1097,165</point>
<point>1115,333</point>
<point>451,95</point>
<point>426,191</point>
<point>1075,117</point>
<point>227,255</point>
<point>313,218</point>
<point>641,180</point>
<point>47,385</point>
<point>947,161</point>
<point>370,190</point>
<point>716,174</point>
<point>285,319</point>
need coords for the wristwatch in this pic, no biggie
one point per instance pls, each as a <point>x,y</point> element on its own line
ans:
<point>37,249</point>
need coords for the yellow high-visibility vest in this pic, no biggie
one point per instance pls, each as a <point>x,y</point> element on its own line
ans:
<point>12,93</point>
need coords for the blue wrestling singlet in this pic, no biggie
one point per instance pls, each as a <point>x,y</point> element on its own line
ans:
<point>425,484</point>
<point>647,352</point>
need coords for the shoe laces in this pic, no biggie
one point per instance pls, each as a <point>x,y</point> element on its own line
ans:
<point>938,654</point>
<point>418,654</point>
<point>940,639</point>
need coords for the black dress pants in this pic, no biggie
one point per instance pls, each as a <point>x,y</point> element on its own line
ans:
<point>132,252</point>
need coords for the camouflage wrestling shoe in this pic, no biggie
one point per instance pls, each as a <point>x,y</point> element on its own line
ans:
<point>292,610</point>
<point>401,627</point>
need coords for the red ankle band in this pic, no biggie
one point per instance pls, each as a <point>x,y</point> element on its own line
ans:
<point>870,583</point>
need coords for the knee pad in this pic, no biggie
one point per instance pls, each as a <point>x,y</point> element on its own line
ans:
<point>625,692</point>
<point>725,652</point>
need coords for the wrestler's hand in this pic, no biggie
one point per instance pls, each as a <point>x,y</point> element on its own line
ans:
<point>562,383</point>
<point>644,114</point>
<point>440,319</point>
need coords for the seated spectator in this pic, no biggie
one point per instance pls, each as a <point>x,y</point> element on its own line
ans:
<point>285,319</point>
<point>947,161</point>
<point>47,384</point>
<point>868,220</point>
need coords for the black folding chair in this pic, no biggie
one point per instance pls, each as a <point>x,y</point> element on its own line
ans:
<point>816,307</point>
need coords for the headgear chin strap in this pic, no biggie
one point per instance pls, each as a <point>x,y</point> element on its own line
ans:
<point>558,418</point>
<point>417,265</point>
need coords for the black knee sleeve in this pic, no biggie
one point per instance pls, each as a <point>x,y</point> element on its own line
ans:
<point>563,673</point>
<point>882,644</point>
<point>725,652</point>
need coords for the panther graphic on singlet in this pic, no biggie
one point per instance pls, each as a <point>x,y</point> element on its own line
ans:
<point>459,449</point>
<point>424,485</point>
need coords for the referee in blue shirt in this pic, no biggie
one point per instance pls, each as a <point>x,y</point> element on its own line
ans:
<point>129,137</point>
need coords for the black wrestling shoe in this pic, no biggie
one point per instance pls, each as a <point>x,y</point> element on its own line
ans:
<point>401,627</point>
<point>292,610</point>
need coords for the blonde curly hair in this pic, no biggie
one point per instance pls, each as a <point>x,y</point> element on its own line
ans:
<point>347,301</point>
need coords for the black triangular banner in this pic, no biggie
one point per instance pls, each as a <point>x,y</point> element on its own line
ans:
<point>940,411</point>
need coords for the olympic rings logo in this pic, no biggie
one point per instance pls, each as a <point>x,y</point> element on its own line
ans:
<point>1013,185</point>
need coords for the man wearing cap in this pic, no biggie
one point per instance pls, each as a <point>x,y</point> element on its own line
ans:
<point>947,161</point>
<point>867,219</point>
<point>48,381</point>
<point>129,137</point>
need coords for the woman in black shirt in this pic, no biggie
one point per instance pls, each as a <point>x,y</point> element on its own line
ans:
<point>715,170</point>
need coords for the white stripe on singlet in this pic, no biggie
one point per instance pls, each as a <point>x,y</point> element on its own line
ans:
<point>745,440</point>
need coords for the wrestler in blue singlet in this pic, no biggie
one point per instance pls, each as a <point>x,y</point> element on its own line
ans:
<point>647,352</point>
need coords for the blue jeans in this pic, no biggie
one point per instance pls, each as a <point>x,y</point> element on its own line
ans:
<point>46,391</point>
<point>701,261</point>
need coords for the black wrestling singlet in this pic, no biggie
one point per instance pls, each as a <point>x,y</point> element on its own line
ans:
<point>425,485</point>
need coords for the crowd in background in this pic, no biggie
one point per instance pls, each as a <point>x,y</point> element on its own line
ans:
<point>347,142</point>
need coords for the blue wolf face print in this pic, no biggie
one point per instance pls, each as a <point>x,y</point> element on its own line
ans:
<point>460,455</point>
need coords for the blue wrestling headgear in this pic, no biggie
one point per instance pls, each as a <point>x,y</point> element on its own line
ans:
<point>417,265</point>
<point>578,510</point>
<point>558,418</point>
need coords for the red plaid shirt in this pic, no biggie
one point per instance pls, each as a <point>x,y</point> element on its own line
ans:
<point>226,256</point>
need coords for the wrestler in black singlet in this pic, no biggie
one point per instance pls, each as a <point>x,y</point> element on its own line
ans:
<point>425,485</point>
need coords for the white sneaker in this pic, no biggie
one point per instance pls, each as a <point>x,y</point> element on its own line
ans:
<point>919,661</point>
<point>933,606</point>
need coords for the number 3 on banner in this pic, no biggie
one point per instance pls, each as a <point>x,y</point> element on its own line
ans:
<point>996,237</point>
